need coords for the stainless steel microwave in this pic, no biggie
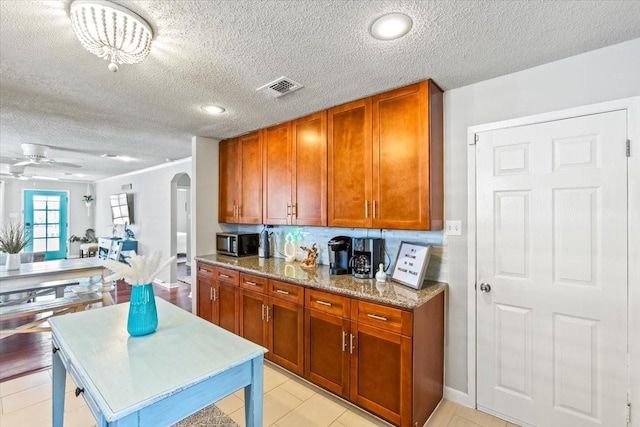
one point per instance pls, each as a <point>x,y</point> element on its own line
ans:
<point>237,244</point>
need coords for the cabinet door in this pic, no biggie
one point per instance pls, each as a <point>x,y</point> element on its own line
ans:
<point>286,323</point>
<point>309,170</point>
<point>401,159</point>
<point>349,164</point>
<point>250,203</point>
<point>381,373</point>
<point>226,307</point>
<point>253,326</point>
<point>276,179</point>
<point>205,295</point>
<point>326,361</point>
<point>228,181</point>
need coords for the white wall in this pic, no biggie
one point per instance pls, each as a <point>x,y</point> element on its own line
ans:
<point>78,217</point>
<point>152,206</point>
<point>602,75</point>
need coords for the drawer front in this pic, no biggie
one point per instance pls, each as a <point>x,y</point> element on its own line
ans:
<point>228,276</point>
<point>381,316</point>
<point>328,303</point>
<point>253,283</point>
<point>206,270</point>
<point>286,291</point>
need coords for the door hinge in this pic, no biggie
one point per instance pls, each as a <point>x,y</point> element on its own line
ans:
<point>628,148</point>
<point>628,412</point>
<point>476,138</point>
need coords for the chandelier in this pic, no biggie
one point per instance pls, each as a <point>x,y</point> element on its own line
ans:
<point>111,32</point>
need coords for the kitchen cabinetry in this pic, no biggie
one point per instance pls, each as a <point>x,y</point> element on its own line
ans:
<point>385,358</point>
<point>271,315</point>
<point>240,180</point>
<point>365,353</point>
<point>295,172</point>
<point>218,296</point>
<point>385,160</point>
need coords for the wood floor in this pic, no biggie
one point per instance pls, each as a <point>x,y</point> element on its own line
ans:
<point>22,354</point>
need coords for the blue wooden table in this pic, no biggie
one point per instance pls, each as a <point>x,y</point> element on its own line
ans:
<point>154,380</point>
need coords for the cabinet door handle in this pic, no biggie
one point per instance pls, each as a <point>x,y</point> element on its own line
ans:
<point>280,291</point>
<point>374,208</point>
<point>375,316</point>
<point>262,311</point>
<point>351,337</point>
<point>327,304</point>
<point>224,276</point>
<point>344,341</point>
<point>294,210</point>
<point>250,283</point>
<point>366,209</point>
<point>215,294</point>
<point>235,211</point>
<point>211,294</point>
<point>239,210</point>
<point>267,312</point>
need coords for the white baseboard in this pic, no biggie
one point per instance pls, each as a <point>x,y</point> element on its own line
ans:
<point>165,284</point>
<point>458,397</point>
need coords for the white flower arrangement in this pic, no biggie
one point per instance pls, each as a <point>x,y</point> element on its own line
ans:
<point>141,269</point>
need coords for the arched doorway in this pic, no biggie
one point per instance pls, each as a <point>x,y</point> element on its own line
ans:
<point>181,228</point>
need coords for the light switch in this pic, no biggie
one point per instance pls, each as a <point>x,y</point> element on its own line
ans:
<point>453,228</point>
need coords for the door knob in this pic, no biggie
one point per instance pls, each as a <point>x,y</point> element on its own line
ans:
<point>485,287</point>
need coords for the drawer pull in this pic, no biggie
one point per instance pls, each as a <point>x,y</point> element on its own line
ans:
<point>78,391</point>
<point>327,304</point>
<point>250,283</point>
<point>280,291</point>
<point>224,276</point>
<point>375,316</point>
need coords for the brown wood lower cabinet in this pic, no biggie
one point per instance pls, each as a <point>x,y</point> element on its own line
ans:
<point>387,360</point>
<point>218,296</point>
<point>365,352</point>
<point>275,322</point>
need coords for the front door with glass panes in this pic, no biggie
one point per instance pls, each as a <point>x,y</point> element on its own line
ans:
<point>45,219</point>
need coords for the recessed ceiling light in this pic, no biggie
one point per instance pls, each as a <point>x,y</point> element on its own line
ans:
<point>110,156</point>
<point>213,109</point>
<point>391,26</point>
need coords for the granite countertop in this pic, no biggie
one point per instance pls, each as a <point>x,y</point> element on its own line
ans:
<point>391,293</point>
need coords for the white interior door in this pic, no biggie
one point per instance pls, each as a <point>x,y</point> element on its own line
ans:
<point>552,247</point>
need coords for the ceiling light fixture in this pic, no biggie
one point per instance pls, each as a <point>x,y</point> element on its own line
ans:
<point>213,109</point>
<point>391,26</point>
<point>111,32</point>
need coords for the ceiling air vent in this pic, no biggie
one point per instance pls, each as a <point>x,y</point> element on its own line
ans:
<point>279,87</point>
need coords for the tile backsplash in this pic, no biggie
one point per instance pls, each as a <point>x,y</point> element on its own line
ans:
<point>306,236</point>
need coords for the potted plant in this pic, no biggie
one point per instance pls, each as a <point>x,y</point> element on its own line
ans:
<point>89,237</point>
<point>13,239</point>
<point>88,198</point>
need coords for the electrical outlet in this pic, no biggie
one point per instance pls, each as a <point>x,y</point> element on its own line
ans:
<point>453,228</point>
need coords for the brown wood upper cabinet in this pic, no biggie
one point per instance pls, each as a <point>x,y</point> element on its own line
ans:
<point>240,180</point>
<point>295,172</point>
<point>385,160</point>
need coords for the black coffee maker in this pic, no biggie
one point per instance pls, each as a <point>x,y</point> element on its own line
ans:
<point>339,255</point>
<point>367,254</point>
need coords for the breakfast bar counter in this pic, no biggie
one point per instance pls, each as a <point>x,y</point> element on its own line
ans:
<point>367,289</point>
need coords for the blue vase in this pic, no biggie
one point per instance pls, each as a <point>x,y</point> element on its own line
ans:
<point>143,316</point>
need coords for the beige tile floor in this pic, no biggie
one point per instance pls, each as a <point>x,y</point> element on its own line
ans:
<point>288,402</point>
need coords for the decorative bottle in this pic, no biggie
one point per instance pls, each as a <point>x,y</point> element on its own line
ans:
<point>381,276</point>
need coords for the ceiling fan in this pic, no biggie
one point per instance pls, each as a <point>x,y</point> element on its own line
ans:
<point>37,155</point>
<point>14,171</point>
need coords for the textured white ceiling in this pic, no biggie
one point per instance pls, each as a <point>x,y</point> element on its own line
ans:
<point>53,92</point>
